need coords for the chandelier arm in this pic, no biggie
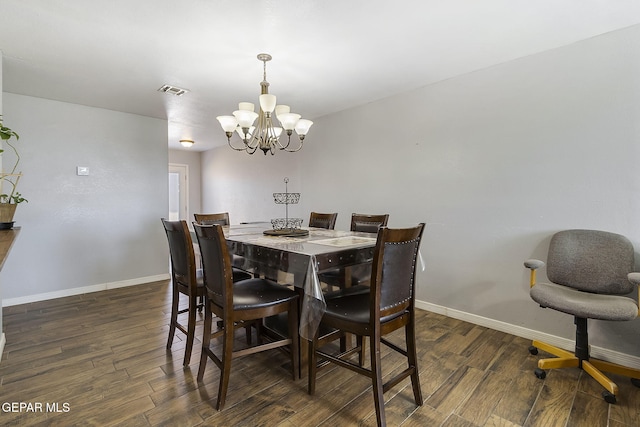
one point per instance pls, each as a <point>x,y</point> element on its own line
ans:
<point>284,147</point>
<point>251,150</point>
<point>237,149</point>
<point>297,149</point>
<point>254,141</point>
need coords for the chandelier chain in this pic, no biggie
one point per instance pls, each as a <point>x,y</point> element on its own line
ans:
<point>264,70</point>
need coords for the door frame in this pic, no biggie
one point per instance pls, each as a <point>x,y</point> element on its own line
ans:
<point>183,173</point>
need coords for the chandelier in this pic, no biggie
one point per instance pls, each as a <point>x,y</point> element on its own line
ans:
<point>264,135</point>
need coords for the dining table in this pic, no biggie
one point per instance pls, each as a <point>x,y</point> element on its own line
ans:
<point>301,259</point>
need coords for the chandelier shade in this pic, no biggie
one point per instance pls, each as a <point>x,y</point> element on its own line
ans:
<point>258,130</point>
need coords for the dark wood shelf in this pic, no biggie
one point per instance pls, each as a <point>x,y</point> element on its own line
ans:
<point>7,237</point>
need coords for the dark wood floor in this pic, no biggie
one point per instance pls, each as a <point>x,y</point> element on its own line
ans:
<point>101,358</point>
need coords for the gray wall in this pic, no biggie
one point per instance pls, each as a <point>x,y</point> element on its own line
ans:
<point>494,162</point>
<point>243,185</point>
<point>86,232</point>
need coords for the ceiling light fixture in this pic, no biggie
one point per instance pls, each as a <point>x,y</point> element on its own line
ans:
<point>188,143</point>
<point>264,135</point>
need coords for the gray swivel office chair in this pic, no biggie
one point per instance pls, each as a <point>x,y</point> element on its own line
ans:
<point>590,273</point>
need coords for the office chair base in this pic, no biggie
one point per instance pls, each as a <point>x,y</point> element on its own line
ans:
<point>540,373</point>
<point>593,367</point>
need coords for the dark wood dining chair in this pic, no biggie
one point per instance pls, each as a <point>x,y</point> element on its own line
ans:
<point>238,304</point>
<point>323,220</point>
<point>358,274</point>
<point>368,223</point>
<point>390,305</point>
<point>221,218</point>
<point>186,279</point>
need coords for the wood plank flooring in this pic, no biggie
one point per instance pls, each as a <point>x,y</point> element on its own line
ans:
<point>100,359</point>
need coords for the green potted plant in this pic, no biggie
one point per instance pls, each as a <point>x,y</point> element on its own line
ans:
<point>9,200</point>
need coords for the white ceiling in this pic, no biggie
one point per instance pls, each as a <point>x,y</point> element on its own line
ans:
<point>328,55</point>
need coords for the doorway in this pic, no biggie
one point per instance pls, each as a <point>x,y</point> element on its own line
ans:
<point>178,192</point>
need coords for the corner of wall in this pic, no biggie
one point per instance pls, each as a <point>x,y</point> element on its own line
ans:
<point>2,341</point>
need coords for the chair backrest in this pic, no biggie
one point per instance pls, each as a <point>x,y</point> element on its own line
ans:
<point>214,218</point>
<point>393,270</point>
<point>368,223</point>
<point>216,264</point>
<point>323,220</point>
<point>592,261</point>
<point>183,260</point>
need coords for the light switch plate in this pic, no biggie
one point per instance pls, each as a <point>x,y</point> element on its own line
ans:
<point>82,170</point>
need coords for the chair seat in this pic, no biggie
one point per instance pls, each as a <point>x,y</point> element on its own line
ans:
<point>583,304</point>
<point>343,292</point>
<point>360,274</point>
<point>239,275</point>
<point>259,293</point>
<point>280,325</point>
<point>352,308</point>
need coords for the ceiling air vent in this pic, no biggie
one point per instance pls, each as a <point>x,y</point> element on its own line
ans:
<point>173,90</point>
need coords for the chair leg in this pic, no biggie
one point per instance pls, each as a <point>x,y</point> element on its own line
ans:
<point>247,330</point>
<point>563,359</point>
<point>295,339</point>
<point>344,342</point>
<point>174,317</point>
<point>191,329</point>
<point>225,370</point>
<point>605,382</point>
<point>258,325</point>
<point>412,356</point>
<point>615,368</point>
<point>376,378</point>
<point>312,367</point>
<point>206,341</point>
<point>593,367</point>
<point>360,343</point>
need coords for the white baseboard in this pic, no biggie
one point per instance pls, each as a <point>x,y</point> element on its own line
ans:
<point>83,290</point>
<point>564,343</point>
<point>3,340</point>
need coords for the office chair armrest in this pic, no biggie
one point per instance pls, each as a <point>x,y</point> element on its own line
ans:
<point>533,264</point>
<point>634,278</point>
